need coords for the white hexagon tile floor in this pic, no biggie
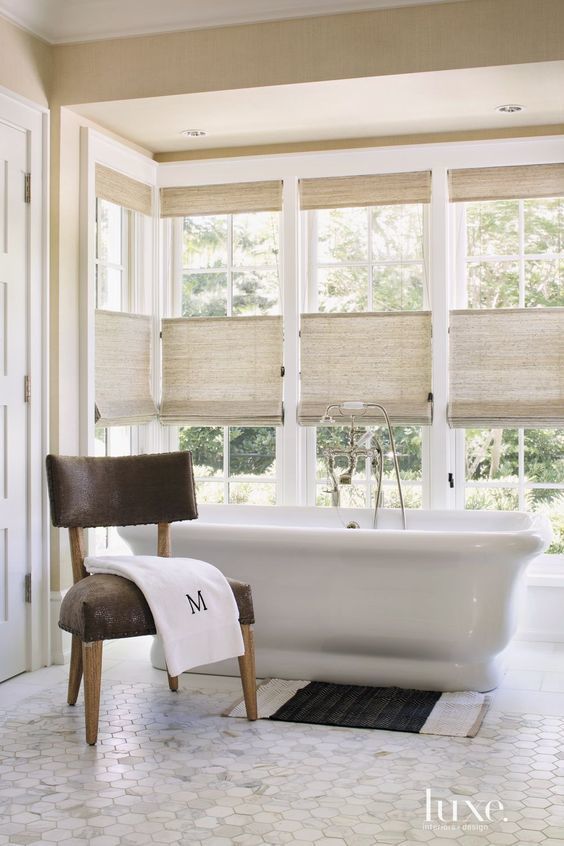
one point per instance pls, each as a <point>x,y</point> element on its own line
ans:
<point>169,770</point>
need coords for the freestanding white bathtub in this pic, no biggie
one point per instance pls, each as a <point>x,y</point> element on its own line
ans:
<point>432,607</point>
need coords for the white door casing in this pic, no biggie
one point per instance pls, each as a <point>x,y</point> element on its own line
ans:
<point>14,247</point>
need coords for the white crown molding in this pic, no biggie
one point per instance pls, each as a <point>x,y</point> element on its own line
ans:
<point>67,21</point>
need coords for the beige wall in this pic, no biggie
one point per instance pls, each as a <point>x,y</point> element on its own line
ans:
<point>25,63</point>
<point>476,33</point>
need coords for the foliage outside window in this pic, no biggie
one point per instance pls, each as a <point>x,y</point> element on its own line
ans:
<point>229,268</point>
<point>370,259</point>
<point>514,257</point>
<point>362,492</point>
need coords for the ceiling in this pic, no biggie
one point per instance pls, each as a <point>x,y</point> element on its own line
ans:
<point>439,101</point>
<point>61,21</point>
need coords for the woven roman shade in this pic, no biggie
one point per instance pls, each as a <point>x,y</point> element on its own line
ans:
<point>123,369</point>
<point>506,183</point>
<point>231,198</point>
<point>382,357</point>
<point>507,367</point>
<point>379,189</point>
<point>221,371</point>
<point>123,190</point>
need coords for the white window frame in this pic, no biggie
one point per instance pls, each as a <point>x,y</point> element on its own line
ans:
<point>177,271</point>
<point>440,455</point>
<point>310,304</point>
<point>521,486</point>
<point>140,258</point>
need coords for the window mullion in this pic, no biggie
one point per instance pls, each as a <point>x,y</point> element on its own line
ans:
<point>226,464</point>
<point>521,253</point>
<point>521,466</point>
<point>441,437</point>
<point>126,286</point>
<point>370,297</point>
<point>230,267</point>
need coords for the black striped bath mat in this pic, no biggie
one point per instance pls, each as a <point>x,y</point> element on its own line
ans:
<point>457,714</point>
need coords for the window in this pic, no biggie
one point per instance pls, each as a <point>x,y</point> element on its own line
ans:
<point>233,464</point>
<point>369,259</point>
<point>230,265</point>
<point>513,256</point>
<point>112,231</point>
<point>230,268</point>
<point>362,492</point>
<point>114,292</point>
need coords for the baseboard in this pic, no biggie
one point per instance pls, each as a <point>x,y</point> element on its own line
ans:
<point>60,640</point>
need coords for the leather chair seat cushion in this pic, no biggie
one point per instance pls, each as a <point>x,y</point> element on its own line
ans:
<point>104,607</point>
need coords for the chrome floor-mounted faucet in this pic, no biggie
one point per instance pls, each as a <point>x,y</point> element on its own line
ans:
<point>365,446</point>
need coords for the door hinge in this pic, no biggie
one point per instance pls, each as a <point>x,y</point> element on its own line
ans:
<point>27,388</point>
<point>27,188</point>
<point>451,480</point>
<point>28,587</point>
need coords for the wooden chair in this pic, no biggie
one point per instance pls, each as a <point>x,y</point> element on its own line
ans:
<point>133,490</point>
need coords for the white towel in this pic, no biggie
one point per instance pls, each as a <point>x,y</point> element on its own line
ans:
<point>194,608</point>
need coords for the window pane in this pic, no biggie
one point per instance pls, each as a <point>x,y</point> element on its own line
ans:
<point>544,455</point>
<point>109,232</point>
<point>408,447</point>
<point>492,454</point>
<point>205,241</point>
<point>335,437</point>
<point>493,284</point>
<point>408,441</point>
<point>204,295</point>
<point>412,496</point>
<point>109,283</point>
<point>206,446</point>
<point>397,287</point>
<point>352,496</point>
<point>397,232</point>
<point>255,239</point>
<point>544,226</point>
<point>551,503</point>
<point>100,442</point>
<point>256,292</point>
<point>492,228</point>
<point>210,492</point>
<point>492,499</point>
<point>343,289</point>
<point>252,493</point>
<point>342,235</point>
<point>544,283</point>
<point>252,451</point>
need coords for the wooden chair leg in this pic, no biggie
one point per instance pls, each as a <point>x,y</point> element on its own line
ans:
<point>75,671</point>
<point>248,673</point>
<point>172,682</point>
<point>92,665</point>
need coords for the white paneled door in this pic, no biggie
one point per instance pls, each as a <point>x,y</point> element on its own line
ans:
<point>14,270</point>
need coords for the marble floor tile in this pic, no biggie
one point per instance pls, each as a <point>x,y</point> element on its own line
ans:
<point>168,769</point>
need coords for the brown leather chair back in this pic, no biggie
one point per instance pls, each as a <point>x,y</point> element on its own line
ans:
<point>127,491</point>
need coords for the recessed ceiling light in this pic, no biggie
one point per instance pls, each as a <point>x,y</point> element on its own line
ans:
<point>509,108</point>
<point>194,133</point>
